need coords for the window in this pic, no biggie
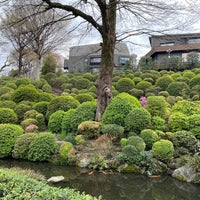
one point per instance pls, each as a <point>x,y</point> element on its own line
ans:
<point>194,41</point>
<point>95,60</point>
<point>167,44</point>
<point>123,59</point>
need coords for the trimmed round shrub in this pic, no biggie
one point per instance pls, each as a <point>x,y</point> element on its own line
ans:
<point>178,121</point>
<point>20,110</point>
<point>164,81</point>
<point>7,104</point>
<point>178,89</point>
<point>89,76</point>
<point>82,83</point>
<point>41,122</point>
<point>150,137</point>
<point>58,81</point>
<point>84,97</point>
<point>8,136</point>
<point>188,74</point>
<point>11,85</point>
<point>50,77</point>
<point>62,103</point>
<point>136,93</point>
<point>65,149</point>
<point>8,115</point>
<point>30,114</point>
<point>124,85</point>
<point>41,107</point>
<point>195,81</point>
<point>6,90</point>
<point>46,88</point>
<point>84,112</point>
<point>194,124</point>
<point>163,150</point>
<point>129,154</point>
<point>123,142</point>
<point>23,81</point>
<point>184,142</point>
<point>137,80</point>
<point>112,130</point>
<point>42,147</point>
<point>55,121</point>
<point>44,96</point>
<point>32,128</point>
<point>143,85</point>
<point>118,109</point>
<point>28,122</point>
<point>137,120</point>
<point>157,106</point>
<point>158,123</point>
<point>21,146</point>
<point>67,122</point>
<point>163,93</point>
<point>137,142</point>
<point>25,93</point>
<point>90,129</point>
<point>186,107</point>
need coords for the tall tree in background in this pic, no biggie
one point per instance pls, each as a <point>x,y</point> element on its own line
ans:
<point>31,30</point>
<point>103,16</point>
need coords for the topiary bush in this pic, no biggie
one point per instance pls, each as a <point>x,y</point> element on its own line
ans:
<point>7,104</point>
<point>184,142</point>
<point>186,107</point>
<point>84,97</point>
<point>8,136</point>
<point>62,103</point>
<point>143,85</point>
<point>178,121</point>
<point>137,120</point>
<point>8,115</point>
<point>178,89</point>
<point>112,130</point>
<point>84,112</point>
<point>46,88</point>
<point>157,106</point>
<point>136,93</point>
<point>25,93</point>
<point>67,122</point>
<point>23,81</point>
<point>118,109</point>
<point>30,114</point>
<point>125,85</point>
<point>150,137</point>
<point>82,83</point>
<point>89,129</point>
<point>55,121</point>
<point>28,122</point>
<point>44,96</point>
<point>20,110</point>
<point>195,81</point>
<point>163,82</point>
<point>65,149</point>
<point>129,154</point>
<point>42,147</point>
<point>41,107</point>
<point>163,150</point>
<point>158,123</point>
<point>21,146</point>
<point>137,142</point>
<point>194,124</point>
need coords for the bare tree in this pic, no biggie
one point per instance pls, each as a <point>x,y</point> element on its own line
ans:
<point>30,32</point>
<point>104,15</point>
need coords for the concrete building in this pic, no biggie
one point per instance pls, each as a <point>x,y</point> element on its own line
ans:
<point>166,46</point>
<point>88,57</point>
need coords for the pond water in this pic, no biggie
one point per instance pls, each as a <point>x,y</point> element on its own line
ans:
<point>114,186</point>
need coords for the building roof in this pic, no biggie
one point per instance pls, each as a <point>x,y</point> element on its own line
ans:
<point>95,49</point>
<point>184,47</point>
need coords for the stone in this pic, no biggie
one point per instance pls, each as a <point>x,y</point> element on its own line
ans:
<point>184,173</point>
<point>55,179</point>
<point>84,162</point>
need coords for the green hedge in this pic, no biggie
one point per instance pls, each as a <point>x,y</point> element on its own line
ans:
<point>8,115</point>
<point>19,186</point>
<point>118,109</point>
<point>8,136</point>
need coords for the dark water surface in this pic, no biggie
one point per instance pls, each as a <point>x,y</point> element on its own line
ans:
<point>114,186</point>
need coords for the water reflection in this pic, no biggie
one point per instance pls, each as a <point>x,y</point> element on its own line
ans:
<point>116,186</point>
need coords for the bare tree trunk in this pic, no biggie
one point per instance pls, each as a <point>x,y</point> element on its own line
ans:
<point>104,81</point>
<point>36,73</point>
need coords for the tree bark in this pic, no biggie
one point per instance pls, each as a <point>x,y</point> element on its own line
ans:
<point>104,81</point>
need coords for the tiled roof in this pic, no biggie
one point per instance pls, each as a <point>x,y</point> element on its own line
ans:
<point>185,47</point>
